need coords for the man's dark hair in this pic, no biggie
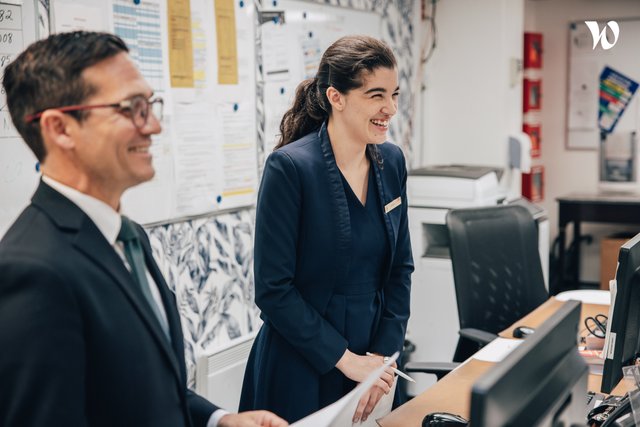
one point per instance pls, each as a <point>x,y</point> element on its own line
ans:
<point>48,75</point>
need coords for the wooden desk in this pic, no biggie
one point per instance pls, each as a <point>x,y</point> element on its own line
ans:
<point>578,208</point>
<point>453,392</point>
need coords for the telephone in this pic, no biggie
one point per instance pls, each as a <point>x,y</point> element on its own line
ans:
<point>615,411</point>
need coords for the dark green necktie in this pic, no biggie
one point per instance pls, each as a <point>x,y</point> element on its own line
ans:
<point>135,257</point>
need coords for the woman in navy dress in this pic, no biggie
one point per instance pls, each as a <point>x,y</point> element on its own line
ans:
<point>332,252</point>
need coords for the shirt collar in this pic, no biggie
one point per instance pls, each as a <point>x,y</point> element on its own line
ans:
<point>103,216</point>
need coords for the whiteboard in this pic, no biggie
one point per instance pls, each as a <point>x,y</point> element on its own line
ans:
<point>291,51</point>
<point>18,166</point>
<point>585,66</point>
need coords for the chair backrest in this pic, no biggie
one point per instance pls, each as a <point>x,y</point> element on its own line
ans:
<point>496,265</point>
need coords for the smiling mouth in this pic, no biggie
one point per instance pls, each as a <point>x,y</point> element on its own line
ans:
<point>140,149</point>
<point>381,123</point>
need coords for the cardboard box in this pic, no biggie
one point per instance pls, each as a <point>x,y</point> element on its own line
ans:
<point>609,248</point>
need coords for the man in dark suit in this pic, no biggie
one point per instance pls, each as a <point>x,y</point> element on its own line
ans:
<point>89,331</point>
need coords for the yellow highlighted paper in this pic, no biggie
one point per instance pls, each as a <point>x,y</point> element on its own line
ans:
<point>180,45</point>
<point>226,37</point>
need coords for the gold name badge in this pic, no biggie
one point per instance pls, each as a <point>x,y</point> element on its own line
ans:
<point>392,205</point>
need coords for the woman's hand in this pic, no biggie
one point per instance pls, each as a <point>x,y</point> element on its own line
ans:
<point>367,403</point>
<point>358,368</point>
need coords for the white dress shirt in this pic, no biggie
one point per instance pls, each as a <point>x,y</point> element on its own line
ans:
<point>108,222</point>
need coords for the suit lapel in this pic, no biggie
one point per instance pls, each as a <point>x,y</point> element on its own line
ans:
<point>339,208</point>
<point>381,194</point>
<point>89,240</point>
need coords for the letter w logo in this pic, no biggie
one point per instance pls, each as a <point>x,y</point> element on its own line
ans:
<point>601,36</point>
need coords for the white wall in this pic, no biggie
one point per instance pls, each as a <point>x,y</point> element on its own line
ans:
<point>470,104</point>
<point>567,171</point>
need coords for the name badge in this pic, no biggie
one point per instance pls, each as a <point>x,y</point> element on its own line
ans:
<point>392,205</point>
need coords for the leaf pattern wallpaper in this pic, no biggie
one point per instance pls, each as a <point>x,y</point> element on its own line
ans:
<point>208,262</point>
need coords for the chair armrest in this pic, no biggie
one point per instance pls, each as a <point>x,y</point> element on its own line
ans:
<point>477,335</point>
<point>439,369</point>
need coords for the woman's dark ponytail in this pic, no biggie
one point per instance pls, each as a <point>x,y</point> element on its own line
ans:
<point>307,113</point>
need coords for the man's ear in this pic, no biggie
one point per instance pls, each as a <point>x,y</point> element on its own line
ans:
<point>336,99</point>
<point>57,128</point>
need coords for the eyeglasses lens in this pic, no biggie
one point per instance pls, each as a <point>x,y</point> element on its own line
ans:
<point>140,110</point>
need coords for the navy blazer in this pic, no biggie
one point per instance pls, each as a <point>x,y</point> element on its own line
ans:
<point>80,346</point>
<point>302,241</point>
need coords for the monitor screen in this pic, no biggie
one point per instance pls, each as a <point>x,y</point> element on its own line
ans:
<point>543,382</point>
<point>623,331</point>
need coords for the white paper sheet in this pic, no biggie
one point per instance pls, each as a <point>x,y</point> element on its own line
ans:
<point>239,151</point>
<point>340,413</point>
<point>198,155</point>
<point>281,96</point>
<point>497,350</point>
<point>610,338</point>
<point>583,94</point>
<point>71,16</point>
<point>587,296</point>
<point>275,58</point>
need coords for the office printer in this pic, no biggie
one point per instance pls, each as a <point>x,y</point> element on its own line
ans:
<point>454,186</point>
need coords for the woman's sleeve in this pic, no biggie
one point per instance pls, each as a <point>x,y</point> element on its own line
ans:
<point>397,289</point>
<point>278,219</point>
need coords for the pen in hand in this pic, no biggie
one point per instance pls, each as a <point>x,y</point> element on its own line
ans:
<point>396,371</point>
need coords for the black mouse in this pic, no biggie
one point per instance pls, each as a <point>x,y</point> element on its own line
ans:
<point>443,419</point>
<point>522,332</point>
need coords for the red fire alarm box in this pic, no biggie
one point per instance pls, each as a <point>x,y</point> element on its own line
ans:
<point>533,184</point>
<point>532,95</point>
<point>534,133</point>
<point>532,50</point>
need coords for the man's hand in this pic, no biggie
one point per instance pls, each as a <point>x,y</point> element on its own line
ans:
<point>252,419</point>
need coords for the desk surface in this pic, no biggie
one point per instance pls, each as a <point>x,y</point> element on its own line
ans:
<point>608,198</point>
<point>453,392</point>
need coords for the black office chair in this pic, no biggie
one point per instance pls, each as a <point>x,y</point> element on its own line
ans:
<point>497,274</point>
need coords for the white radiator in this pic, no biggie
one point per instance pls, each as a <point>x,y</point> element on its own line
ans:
<point>219,375</point>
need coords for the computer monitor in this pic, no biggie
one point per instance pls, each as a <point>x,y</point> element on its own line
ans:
<point>623,331</point>
<point>543,382</point>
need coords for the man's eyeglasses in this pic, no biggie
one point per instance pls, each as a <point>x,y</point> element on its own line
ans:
<point>136,107</point>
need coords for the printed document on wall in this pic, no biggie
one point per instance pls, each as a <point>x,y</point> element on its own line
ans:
<point>275,55</point>
<point>143,29</point>
<point>226,37</point>
<point>91,15</point>
<point>200,37</point>
<point>198,156</point>
<point>583,94</point>
<point>281,96</point>
<point>180,45</point>
<point>240,161</point>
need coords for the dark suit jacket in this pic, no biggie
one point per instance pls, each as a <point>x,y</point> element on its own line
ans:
<point>79,344</point>
<point>302,244</point>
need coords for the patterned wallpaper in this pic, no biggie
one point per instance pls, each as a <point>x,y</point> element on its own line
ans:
<point>208,262</point>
